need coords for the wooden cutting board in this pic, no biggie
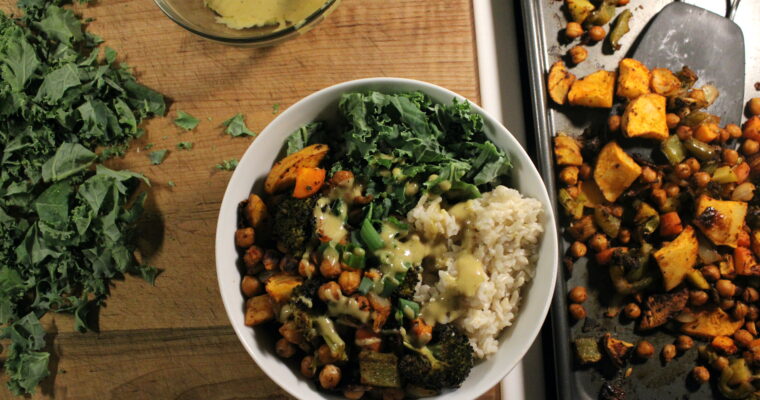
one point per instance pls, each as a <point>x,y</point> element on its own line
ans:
<point>173,341</point>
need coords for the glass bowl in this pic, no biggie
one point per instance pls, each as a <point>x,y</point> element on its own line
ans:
<point>194,16</point>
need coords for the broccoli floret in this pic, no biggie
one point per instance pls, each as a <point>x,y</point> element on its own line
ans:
<point>314,327</point>
<point>304,296</point>
<point>408,286</point>
<point>445,362</point>
<point>293,224</point>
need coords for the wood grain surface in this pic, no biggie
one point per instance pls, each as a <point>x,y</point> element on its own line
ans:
<point>173,341</point>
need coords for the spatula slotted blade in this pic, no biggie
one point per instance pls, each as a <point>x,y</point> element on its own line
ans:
<point>711,45</point>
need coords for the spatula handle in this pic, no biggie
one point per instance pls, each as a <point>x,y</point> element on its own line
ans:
<point>732,9</point>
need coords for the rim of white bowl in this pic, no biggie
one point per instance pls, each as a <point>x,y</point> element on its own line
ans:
<point>230,205</point>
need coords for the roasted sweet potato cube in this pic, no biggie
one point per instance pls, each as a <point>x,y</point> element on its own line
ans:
<point>720,220</point>
<point>283,173</point>
<point>711,323</point>
<point>754,239</point>
<point>660,307</point>
<point>644,117</point>
<point>745,262</point>
<point>258,310</point>
<point>664,82</point>
<point>560,80</point>
<point>633,79</point>
<point>567,150</point>
<point>595,90</point>
<point>615,171</point>
<point>678,258</point>
<point>281,285</point>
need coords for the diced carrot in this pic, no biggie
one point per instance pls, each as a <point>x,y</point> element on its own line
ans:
<point>308,181</point>
<point>670,224</point>
<point>605,256</point>
<point>742,172</point>
<point>745,262</point>
<point>743,239</point>
<point>368,339</point>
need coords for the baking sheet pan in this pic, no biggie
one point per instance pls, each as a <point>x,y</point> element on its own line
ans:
<point>543,24</point>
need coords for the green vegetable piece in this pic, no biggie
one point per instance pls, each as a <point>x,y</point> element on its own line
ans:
<point>724,174</point>
<point>148,146</point>
<point>699,149</point>
<point>236,126</point>
<point>61,25</point>
<point>275,108</point>
<point>573,206</point>
<point>304,136</point>
<point>20,61</point>
<point>587,350</point>
<point>171,183</point>
<point>185,145</point>
<point>379,369</point>
<point>579,9</point>
<point>673,149</point>
<point>602,15</point>
<point>186,121</point>
<point>370,236</point>
<point>620,27</point>
<point>390,284</point>
<point>57,82</point>
<point>366,285</point>
<point>69,159</point>
<point>697,280</point>
<point>158,156</point>
<point>227,165</point>
<point>409,308</point>
<point>647,219</point>
<point>609,223</point>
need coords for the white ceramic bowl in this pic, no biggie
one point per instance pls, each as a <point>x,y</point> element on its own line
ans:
<point>254,167</point>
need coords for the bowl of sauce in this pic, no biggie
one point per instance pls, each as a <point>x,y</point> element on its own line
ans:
<point>255,23</point>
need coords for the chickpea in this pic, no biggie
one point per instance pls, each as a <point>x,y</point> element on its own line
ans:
<point>698,298</point>
<point>752,313</point>
<point>700,374</point>
<point>668,352</point>
<point>250,286</point>
<point>271,259</point>
<point>750,294</point>
<point>329,377</point>
<point>693,164</point>
<point>672,190</point>
<point>750,147</point>
<point>684,132</point>
<point>578,54</point>
<point>726,304</point>
<point>751,128</point>
<point>632,311</point>
<point>578,294</point>
<point>734,130</point>
<point>743,337</point>
<point>720,363</point>
<point>725,288</point>
<point>353,394</point>
<point>349,281</point>
<point>730,156</point>
<point>329,268</point>
<point>284,348</point>
<point>644,349</point>
<point>585,171</point>
<point>578,249</point>
<point>754,106</point>
<point>329,291</point>
<point>577,311</point>
<point>617,211</point>
<point>598,242</point>
<point>624,235</point>
<point>597,33</point>
<point>672,120</point>
<point>701,179</point>
<point>613,123</point>
<point>569,175</point>
<point>683,171</point>
<point>573,30</point>
<point>648,175</point>
<point>306,268</point>
<point>342,178</point>
<point>684,343</point>
<point>244,237</point>
<point>573,191</point>
<point>740,311</point>
<point>290,333</point>
<point>325,356</point>
<point>723,135</point>
<point>308,368</point>
<point>660,197</point>
<point>710,272</point>
<point>252,257</point>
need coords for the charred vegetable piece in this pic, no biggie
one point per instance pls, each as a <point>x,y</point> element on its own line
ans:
<point>258,310</point>
<point>615,171</point>
<point>560,81</point>
<point>573,207</point>
<point>602,15</point>
<point>720,220</point>
<point>587,350</point>
<point>567,151</point>
<point>711,323</point>
<point>645,117</point>
<point>579,9</point>
<point>701,150</point>
<point>745,262</point>
<point>379,369</point>
<point>617,350</point>
<point>281,285</point>
<point>736,380</point>
<point>697,280</point>
<point>633,79</point>
<point>647,219</point>
<point>660,307</point>
<point>673,149</point>
<point>604,219</point>
<point>293,223</point>
<point>664,82</point>
<point>619,29</point>
<point>283,172</point>
<point>678,258</point>
<point>595,90</point>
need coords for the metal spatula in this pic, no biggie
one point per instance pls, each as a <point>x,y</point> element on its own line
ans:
<point>711,45</point>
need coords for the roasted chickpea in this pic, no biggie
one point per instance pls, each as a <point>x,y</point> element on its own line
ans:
<point>308,366</point>
<point>683,171</point>
<point>324,355</point>
<point>569,175</point>
<point>750,294</point>
<point>598,242</point>
<point>578,249</point>
<point>290,333</point>
<point>700,374</point>
<point>710,272</point>
<point>578,54</point>
<point>648,175</point>
<point>660,197</point>
<point>585,171</point>
<point>734,130</point>
<point>573,191</point>
<point>725,288</point>
<point>353,394</point>
<point>720,363</point>
<point>596,33</point>
<point>751,327</point>
<point>754,106</point>
<point>672,190</point>
<point>577,311</point>
<point>672,120</point>
<point>578,294</point>
<point>701,179</point>
<point>723,135</point>
<point>750,147</point>
<point>632,311</point>
<point>573,30</point>
<point>644,349</point>
<point>284,348</point>
<point>617,210</point>
<point>730,156</point>
<point>342,178</point>
<point>271,259</point>
<point>752,313</point>
<point>329,291</point>
<point>244,237</point>
<point>329,268</point>
<point>329,377</point>
<point>684,132</point>
<point>743,338</point>
<point>740,310</point>
<point>613,123</point>
<point>624,235</point>
<point>306,268</point>
<point>684,343</point>
<point>693,164</point>
<point>349,281</point>
<point>668,352</point>
<point>250,286</point>
<point>698,298</point>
